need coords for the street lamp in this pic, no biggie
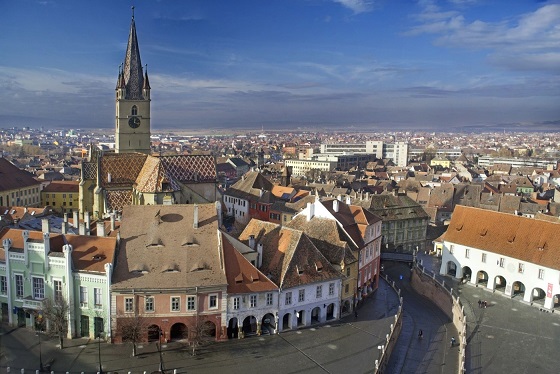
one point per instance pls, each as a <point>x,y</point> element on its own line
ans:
<point>161,368</point>
<point>99,351</point>
<point>41,368</point>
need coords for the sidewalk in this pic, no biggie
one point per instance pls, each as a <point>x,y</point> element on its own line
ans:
<point>344,346</point>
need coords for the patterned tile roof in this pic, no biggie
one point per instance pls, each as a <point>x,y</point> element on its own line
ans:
<point>118,199</point>
<point>190,168</point>
<point>120,169</point>
<point>526,239</point>
<point>153,178</point>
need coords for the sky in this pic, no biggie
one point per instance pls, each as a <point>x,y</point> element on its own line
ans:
<point>286,64</point>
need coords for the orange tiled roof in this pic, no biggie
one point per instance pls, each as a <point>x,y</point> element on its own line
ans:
<point>518,237</point>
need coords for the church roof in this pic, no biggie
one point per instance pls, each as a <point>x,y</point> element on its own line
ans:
<point>132,70</point>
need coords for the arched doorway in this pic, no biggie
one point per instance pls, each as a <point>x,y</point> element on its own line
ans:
<point>330,311</point>
<point>556,301</point>
<point>518,289</point>
<point>233,329</point>
<point>287,321</point>
<point>316,315</point>
<point>451,268</point>
<point>482,278</point>
<point>500,283</point>
<point>467,274</point>
<point>178,331</point>
<point>538,295</point>
<point>250,326</point>
<point>208,330</point>
<point>268,324</point>
<point>153,333</point>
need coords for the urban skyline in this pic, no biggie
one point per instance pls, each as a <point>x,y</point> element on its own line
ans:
<point>457,64</point>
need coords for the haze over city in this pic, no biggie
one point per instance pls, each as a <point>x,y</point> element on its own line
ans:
<point>456,64</point>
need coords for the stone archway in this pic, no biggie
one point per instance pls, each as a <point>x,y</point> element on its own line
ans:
<point>300,317</point>
<point>556,301</point>
<point>330,311</point>
<point>287,321</point>
<point>316,315</point>
<point>518,289</point>
<point>268,324</point>
<point>451,268</point>
<point>538,296</point>
<point>233,328</point>
<point>500,284</point>
<point>482,278</point>
<point>467,274</point>
<point>153,333</point>
<point>249,326</point>
<point>208,330</point>
<point>178,331</point>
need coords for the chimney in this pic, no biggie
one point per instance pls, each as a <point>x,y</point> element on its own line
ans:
<point>367,195</point>
<point>339,197</point>
<point>112,215</point>
<point>82,228</point>
<point>46,225</point>
<point>100,228</point>
<point>259,254</point>
<point>348,200</point>
<point>195,216</point>
<point>75,219</point>
<point>335,205</point>
<point>109,177</point>
<point>252,241</point>
<point>310,211</point>
<point>64,228</point>
<point>87,223</point>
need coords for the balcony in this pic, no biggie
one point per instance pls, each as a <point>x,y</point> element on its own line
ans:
<point>30,303</point>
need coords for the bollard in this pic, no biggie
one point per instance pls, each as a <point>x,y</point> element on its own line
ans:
<point>174,371</point>
<point>36,371</point>
<point>8,370</point>
<point>22,371</point>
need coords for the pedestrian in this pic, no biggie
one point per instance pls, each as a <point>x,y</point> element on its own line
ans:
<point>452,341</point>
<point>485,304</point>
<point>479,303</point>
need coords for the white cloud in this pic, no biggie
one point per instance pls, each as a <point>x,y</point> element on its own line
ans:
<point>357,6</point>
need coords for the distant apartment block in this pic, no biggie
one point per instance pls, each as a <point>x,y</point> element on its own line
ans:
<point>301,167</point>
<point>397,151</point>
<point>519,162</point>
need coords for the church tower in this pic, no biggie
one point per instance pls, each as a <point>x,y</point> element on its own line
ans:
<point>132,127</point>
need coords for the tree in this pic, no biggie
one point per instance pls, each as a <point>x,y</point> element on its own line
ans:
<point>56,314</point>
<point>132,329</point>
<point>201,332</point>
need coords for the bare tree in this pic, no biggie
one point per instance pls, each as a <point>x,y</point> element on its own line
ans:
<point>201,332</point>
<point>132,329</point>
<point>56,314</point>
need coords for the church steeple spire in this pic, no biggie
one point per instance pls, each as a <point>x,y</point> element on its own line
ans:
<point>132,70</point>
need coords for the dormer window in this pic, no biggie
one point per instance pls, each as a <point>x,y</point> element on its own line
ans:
<point>134,110</point>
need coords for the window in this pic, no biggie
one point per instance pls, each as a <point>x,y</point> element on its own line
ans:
<point>175,303</point>
<point>348,271</point>
<point>149,304</point>
<point>19,286</point>
<point>57,286</point>
<point>47,195</point>
<point>235,303</point>
<point>319,292</point>
<point>269,298</point>
<point>541,273</point>
<point>484,257</point>
<point>128,304</point>
<point>213,302</point>
<point>97,300</point>
<point>501,262</point>
<point>521,268</point>
<point>191,303</point>
<point>83,297</point>
<point>301,296</point>
<point>288,298</point>
<point>134,110</point>
<point>253,301</point>
<point>467,252</point>
<point>346,288</point>
<point>64,196</point>
<point>331,289</point>
<point>3,285</point>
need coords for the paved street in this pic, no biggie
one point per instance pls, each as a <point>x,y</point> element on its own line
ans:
<point>347,346</point>
<point>432,353</point>
<point>509,336</point>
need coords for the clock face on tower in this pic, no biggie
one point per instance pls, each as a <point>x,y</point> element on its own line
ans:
<point>134,122</point>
